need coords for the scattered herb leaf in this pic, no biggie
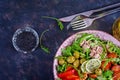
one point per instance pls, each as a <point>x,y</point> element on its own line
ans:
<point>60,24</point>
<point>43,47</point>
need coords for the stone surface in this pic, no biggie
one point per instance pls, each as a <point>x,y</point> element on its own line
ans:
<point>38,65</point>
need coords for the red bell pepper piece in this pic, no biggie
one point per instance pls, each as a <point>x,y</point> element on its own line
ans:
<point>72,77</point>
<point>67,73</point>
<point>69,68</point>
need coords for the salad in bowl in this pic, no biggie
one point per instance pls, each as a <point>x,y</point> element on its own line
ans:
<point>88,55</point>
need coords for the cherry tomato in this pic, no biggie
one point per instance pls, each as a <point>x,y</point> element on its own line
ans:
<point>112,55</point>
<point>116,68</point>
<point>93,76</point>
<point>116,76</point>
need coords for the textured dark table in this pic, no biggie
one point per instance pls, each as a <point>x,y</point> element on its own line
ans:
<point>19,13</point>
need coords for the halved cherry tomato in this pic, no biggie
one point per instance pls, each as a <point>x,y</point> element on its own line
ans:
<point>116,76</point>
<point>93,76</point>
<point>115,73</point>
<point>107,67</point>
<point>112,55</point>
<point>116,68</point>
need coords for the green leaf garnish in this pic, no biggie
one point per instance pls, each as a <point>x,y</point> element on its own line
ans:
<point>43,47</point>
<point>60,24</point>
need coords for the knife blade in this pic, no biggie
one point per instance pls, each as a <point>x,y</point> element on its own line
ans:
<point>69,18</point>
<point>88,13</point>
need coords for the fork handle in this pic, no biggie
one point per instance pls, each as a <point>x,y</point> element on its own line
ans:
<point>107,7</point>
<point>107,13</point>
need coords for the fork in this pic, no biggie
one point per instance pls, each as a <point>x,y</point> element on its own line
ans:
<point>82,21</point>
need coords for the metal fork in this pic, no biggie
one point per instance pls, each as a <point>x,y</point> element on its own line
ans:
<point>82,21</point>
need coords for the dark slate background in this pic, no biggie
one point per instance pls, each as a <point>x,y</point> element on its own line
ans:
<point>19,13</point>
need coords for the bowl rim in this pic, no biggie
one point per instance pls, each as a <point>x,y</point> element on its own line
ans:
<point>96,32</point>
<point>19,31</point>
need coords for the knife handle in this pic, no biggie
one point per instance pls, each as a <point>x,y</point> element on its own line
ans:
<point>107,13</point>
<point>107,7</point>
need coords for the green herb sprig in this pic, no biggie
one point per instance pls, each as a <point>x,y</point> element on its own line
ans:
<point>60,24</point>
<point>43,47</point>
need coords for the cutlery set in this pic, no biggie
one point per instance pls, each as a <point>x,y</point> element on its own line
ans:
<point>85,19</point>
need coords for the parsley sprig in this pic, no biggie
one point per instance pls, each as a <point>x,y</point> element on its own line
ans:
<point>43,47</point>
<point>60,24</point>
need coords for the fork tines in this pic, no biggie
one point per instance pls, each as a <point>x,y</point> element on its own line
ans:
<point>78,24</point>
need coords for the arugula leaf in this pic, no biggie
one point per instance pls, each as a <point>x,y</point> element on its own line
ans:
<point>85,36</point>
<point>76,47</point>
<point>67,51</point>
<point>101,78</point>
<point>113,48</point>
<point>61,68</point>
<point>118,51</point>
<point>82,55</point>
<point>60,57</point>
<point>116,60</point>
<point>90,78</point>
<point>108,74</point>
<point>60,24</point>
<point>43,47</point>
<point>87,53</point>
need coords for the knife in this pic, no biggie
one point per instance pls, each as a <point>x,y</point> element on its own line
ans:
<point>88,13</point>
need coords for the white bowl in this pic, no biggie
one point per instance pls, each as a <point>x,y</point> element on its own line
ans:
<point>68,41</point>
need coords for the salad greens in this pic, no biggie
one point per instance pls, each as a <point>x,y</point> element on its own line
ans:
<point>61,68</point>
<point>116,60</point>
<point>67,52</point>
<point>85,36</point>
<point>107,75</point>
<point>113,48</point>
